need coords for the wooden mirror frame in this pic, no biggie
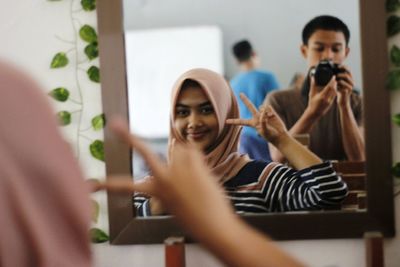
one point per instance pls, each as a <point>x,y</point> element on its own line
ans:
<point>126,229</point>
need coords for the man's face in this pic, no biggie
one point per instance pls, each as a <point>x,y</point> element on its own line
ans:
<point>325,45</point>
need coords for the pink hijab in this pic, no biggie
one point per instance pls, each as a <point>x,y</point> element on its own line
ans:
<point>224,158</point>
<point>44,204</point>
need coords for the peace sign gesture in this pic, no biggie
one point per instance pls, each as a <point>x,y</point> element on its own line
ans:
<point>265,121</point>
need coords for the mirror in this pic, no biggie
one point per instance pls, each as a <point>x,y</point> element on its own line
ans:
<point>126,229</point>
<point>162,42</point>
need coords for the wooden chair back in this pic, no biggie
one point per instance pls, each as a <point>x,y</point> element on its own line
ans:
<point>354,174</point>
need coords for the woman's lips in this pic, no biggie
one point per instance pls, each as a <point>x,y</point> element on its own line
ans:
<point>196,134</point>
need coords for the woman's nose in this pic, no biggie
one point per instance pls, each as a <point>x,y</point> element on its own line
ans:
<point>194,120</point>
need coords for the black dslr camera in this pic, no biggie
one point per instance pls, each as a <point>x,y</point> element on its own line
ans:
<point>324,71</point>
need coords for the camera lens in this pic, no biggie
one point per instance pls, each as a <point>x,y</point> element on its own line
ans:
<point>323,72</point>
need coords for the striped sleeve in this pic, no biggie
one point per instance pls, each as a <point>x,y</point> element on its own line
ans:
<point>142,205</point>
<point>316,187</point>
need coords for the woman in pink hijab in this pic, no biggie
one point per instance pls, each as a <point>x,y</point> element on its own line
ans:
<point>205,114</point>
<point>44,202</point>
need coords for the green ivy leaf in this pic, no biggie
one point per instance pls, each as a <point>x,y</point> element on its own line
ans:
<point>393,80</point>
<point>94,74</point>
<point>59,60</point>
<point>393,25</point>
<point>92,50</point>
<point>97,149</point>
<point>99,122</point>
<point>396,119</point>
<point>60,94</point>
<point>396,169</point>
<point>98,236</point>
<point>64,118</point>
<point>88,5</point>
<point>395,55</point>
<point>95,210</point>
<point>88,34</point>
<point>392,5</point>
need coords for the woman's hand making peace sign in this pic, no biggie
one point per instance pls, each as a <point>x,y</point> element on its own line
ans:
<point>265,121</point>
<point>271,127</point>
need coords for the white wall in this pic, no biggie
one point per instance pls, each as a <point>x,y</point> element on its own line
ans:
<point>32,33</point>
<point>29,28</point>
<point>173,51</point>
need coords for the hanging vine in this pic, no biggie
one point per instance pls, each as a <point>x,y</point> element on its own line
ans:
<point>393,81</point>
<point>87,34</point>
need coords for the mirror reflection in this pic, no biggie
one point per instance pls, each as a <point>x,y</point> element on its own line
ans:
<point>162,42</point>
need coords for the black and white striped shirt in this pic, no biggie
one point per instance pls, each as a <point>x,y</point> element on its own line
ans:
<point>274,187</point>
<point>261,187</point>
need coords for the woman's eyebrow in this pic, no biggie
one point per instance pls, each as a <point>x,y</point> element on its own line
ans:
<point>208,103</point>
<point>180,105</point>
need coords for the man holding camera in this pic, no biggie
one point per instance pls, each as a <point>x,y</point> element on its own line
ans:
<point>329,111</point>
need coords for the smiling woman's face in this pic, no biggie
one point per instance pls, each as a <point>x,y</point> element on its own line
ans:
<point>195,118</point>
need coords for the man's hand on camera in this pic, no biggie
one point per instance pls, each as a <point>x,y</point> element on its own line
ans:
<point>344,87</point>
<point>321,99</point>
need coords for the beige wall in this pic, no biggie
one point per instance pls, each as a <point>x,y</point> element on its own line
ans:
<point>32,32</point>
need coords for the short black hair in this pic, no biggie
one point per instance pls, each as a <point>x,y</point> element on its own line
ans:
<point>325,22</point>
<point>242,50</point>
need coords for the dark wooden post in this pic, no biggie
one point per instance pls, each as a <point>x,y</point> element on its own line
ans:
<point>174,252</point>
<point>374,249</point>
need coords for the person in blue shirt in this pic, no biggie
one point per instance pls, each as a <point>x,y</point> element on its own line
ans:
<point>255,84</point>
